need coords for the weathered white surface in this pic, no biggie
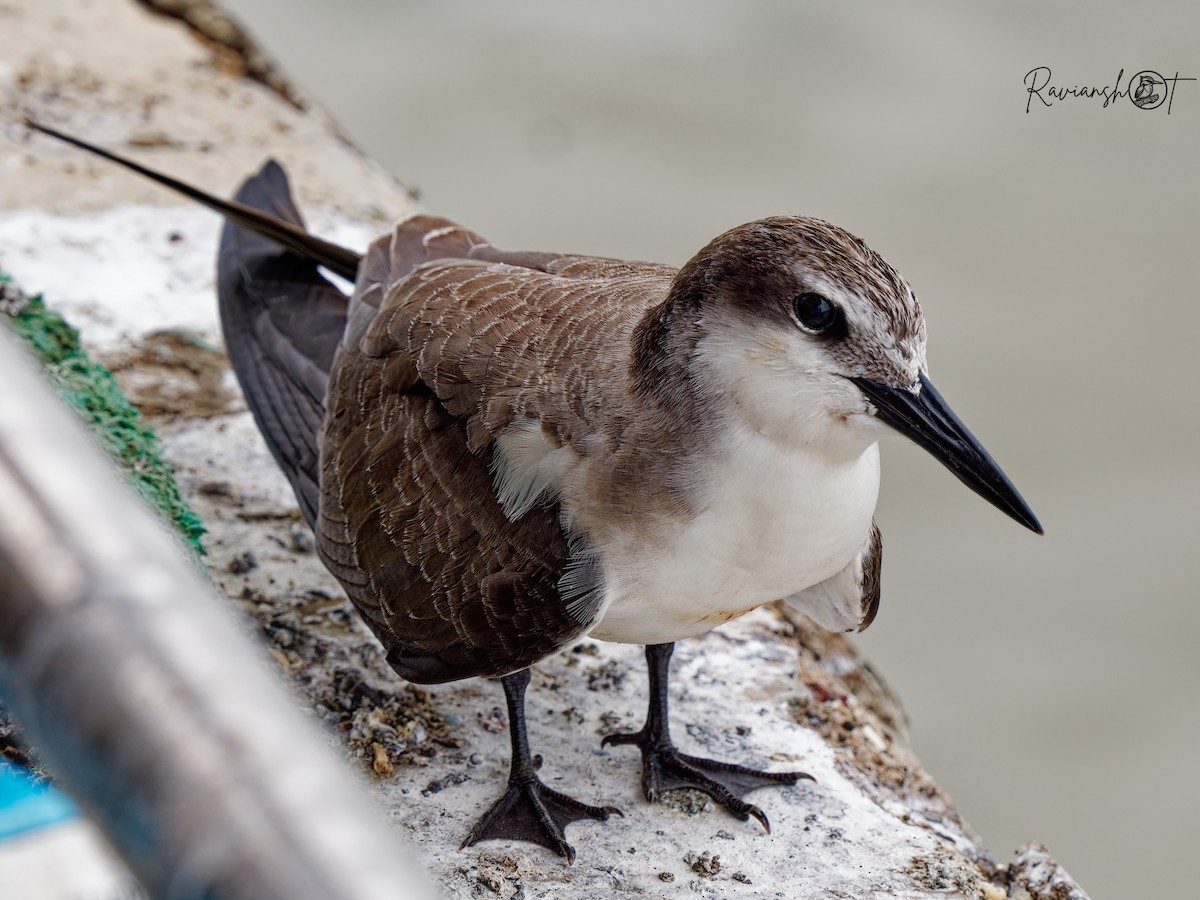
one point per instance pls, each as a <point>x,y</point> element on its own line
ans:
<point>130,264</point>
<point>871,825</point>
<point>132,268</point>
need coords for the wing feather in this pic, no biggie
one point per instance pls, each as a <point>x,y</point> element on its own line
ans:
<point>441,356</point>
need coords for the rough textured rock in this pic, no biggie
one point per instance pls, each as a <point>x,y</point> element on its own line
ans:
<point>1034,875</point>
<point>133,269</point>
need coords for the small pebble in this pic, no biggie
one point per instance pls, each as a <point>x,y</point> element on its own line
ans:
<point>300,540</point>
<point>381,762</point>
<point>493,722</point>
<point>12,301</point>
<point>440,784</point>
<point>706,864</point>
<point>243,563</point>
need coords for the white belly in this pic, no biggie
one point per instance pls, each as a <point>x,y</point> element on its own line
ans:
<point>775,523</point>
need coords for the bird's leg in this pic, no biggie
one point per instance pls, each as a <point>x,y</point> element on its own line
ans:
<point>665,769</point>
<point>530,811</point>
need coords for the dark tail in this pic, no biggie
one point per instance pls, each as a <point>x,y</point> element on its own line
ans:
<point>282,320</point>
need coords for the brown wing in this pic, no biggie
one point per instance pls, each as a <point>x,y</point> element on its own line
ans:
<point>438,360</point>
<point>872,563</point>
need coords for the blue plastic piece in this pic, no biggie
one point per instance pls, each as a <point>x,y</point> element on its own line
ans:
<point>27,804</point>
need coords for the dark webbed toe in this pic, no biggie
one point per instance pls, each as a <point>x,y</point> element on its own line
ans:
<point>670,770</point>
<point>530,811</point>
<point>665,769</point>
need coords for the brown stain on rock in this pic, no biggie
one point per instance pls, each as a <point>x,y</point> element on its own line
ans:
<point>174,373</point>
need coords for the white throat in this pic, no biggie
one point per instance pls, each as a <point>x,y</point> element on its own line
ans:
<point>774,521</point>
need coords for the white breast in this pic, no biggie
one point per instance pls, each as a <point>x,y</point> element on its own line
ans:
<point>774,521</point>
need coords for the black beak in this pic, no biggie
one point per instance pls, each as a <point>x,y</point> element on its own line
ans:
<point>928,421</point>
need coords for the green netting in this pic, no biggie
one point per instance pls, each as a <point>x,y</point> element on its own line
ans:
<point>91,389</point>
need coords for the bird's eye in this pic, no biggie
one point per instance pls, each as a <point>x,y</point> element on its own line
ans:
<point>815,312</point>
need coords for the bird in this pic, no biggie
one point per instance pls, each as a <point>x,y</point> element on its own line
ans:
<point>1145,94</point>
<point>502,452</point>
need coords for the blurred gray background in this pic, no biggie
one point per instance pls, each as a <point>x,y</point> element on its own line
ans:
<point>1053,682</point>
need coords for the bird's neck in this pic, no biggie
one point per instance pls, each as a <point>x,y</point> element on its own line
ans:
<point>661,346</point>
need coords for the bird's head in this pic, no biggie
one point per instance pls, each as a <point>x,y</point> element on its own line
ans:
<point>810,337</point>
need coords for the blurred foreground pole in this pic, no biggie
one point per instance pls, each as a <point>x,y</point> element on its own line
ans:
<point>147,701</point>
